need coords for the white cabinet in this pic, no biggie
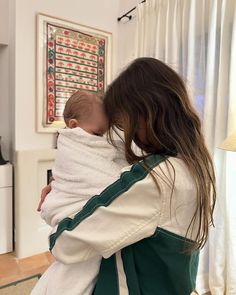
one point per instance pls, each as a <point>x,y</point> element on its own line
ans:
<point>6,217</point>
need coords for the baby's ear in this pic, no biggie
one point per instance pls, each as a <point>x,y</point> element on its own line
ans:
<point>73,123</point>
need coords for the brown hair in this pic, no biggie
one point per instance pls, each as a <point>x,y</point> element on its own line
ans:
<point>150,89</point>
<point>79,105</point>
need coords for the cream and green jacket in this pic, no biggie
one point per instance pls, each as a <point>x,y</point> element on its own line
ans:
<point>138,229</point>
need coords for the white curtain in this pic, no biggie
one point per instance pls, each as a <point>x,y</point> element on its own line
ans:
<point>198,39</point>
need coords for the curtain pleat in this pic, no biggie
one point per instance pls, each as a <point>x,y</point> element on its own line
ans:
<point>231,171</point>
<point>159,41</point>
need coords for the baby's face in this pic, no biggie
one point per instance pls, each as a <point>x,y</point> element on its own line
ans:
<point>96,123</point>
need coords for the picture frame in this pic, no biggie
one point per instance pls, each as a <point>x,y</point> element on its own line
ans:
<point>70,56</point>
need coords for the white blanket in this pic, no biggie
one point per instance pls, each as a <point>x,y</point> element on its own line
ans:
<point>85,165</point>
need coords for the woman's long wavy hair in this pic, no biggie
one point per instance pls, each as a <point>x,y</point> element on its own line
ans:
<point>151,90</point>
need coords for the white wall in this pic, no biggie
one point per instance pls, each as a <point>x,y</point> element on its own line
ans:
<point>4,78</point>
<point>4,21</point>
<point>101,14</point>
<point>126,34</point>
<point>4,101</point>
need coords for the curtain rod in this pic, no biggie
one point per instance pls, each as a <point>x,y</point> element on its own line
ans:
<point>126,14</point>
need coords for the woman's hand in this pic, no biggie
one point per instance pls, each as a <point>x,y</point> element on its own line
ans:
<point>44,193</point>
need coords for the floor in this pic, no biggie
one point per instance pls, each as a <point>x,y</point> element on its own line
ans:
<point>13,269</point>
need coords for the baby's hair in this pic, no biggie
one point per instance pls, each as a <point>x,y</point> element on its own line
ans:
<point>79,105</point>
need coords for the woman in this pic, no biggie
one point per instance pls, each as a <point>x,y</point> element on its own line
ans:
<point>149,224</point>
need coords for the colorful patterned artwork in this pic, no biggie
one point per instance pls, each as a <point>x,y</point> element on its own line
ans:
<point>74,58</point>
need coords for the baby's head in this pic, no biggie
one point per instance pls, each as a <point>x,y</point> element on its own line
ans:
<point>84,109</point>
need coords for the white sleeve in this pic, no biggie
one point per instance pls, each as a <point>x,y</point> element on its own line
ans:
<point>126,212</point>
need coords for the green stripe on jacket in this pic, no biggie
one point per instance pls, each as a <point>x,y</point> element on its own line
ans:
<point>126,180</point>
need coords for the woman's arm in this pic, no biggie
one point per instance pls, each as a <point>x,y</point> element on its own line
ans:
<point>127,211</point>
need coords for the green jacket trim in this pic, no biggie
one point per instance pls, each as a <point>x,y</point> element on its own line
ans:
<point>155,265</point>
<point>126,180</point>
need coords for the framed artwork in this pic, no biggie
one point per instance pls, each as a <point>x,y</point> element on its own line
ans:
<point>70,57</point>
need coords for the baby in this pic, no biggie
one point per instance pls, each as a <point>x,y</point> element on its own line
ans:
<point>85,165</point>
<point>85,110</point>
